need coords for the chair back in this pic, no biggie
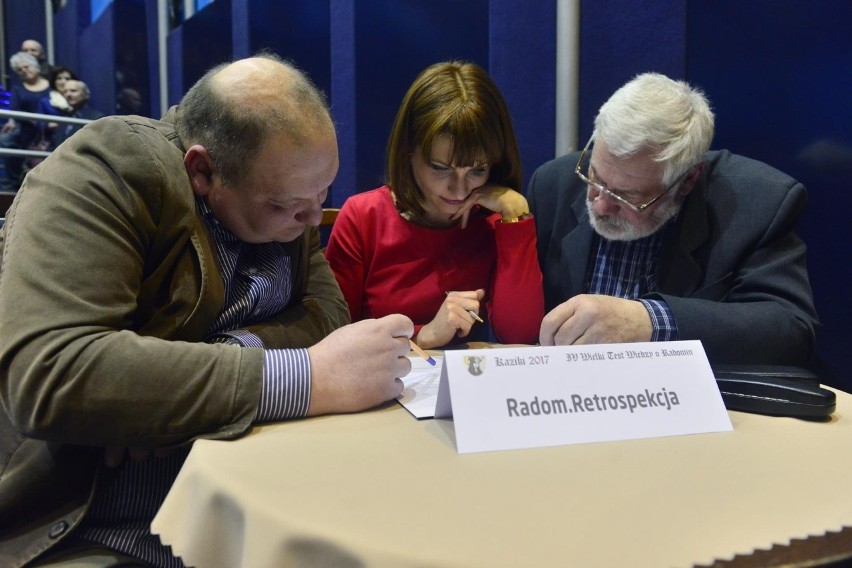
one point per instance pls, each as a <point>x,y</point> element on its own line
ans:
<point>329,216</point>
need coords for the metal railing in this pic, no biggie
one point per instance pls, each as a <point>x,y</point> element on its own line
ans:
<point>34,116</point>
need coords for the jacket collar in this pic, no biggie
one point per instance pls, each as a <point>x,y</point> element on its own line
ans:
<point>170,118</point>
<point>679,272</point>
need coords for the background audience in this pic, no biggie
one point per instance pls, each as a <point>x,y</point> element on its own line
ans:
<point>22,133</point>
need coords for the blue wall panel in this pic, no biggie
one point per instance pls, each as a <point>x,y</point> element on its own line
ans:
<point>175,74</point>
<point>394,42</point>
<point>98,7</point>
<point>781,92</point>
<point>68,24</point>
<point>131,52</point>
<point>619,40</point>
<point>522,61</point>
<point>97,60</point>
<point>152,95</point>
<point>206,41</point>
<point>22,19</point>
<point>295,30</point>
<point>343,103</point>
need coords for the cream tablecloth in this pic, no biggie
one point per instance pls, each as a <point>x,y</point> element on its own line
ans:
<point>383,489</point>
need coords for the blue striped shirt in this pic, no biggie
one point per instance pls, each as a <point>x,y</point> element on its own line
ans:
<point>627,269</point>
<point>258,284</point>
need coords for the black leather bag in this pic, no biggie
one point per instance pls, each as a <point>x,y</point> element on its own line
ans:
<point>776,390</point>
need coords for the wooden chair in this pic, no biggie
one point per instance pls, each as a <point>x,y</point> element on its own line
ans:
<point>329,216</point>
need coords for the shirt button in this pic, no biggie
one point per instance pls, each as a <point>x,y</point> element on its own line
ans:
<point>58,529</point>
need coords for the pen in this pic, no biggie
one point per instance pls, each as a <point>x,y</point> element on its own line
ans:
<point>472,313</point>
<point>475,316</point>
<point>417,349</point>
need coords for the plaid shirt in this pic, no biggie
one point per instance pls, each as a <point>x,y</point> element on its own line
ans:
<point>627,269</point>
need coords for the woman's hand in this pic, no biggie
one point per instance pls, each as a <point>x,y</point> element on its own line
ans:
<point>452,319</point>
<point>506,201</point>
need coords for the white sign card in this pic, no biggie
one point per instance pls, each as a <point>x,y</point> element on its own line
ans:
<point>526,397</point>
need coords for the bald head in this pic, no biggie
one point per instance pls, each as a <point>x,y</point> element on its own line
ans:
<point>34,48</point>
<point>279,93</point>
<point>237,107</point>
<point>254,80</point>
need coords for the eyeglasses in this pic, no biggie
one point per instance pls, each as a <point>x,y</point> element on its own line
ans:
<point>600,188</point>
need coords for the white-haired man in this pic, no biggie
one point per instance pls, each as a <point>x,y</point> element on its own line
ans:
<point>645,235</point>
<point>77,94</point>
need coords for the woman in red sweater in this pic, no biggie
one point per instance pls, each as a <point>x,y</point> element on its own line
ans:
<point>449,241</point>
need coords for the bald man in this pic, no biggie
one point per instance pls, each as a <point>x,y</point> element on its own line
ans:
<point>162,281</point>
<point>36,49</point>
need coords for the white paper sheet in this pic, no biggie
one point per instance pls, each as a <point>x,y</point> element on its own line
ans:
<point>421,386</point>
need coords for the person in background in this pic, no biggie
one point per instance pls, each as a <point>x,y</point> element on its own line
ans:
<point>58,75</point>
<point>54,103</point>
<point>128,101</point>
<point>77,94</point>
<point>162,281</point>
<point>36,49</point>
<point>448,241</point>
<point>646,235</point>
<point>23,133</point>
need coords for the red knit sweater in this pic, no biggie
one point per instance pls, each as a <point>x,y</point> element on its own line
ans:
<point>387,265</point>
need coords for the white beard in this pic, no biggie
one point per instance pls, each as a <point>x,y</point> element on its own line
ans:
<point>617,229</point>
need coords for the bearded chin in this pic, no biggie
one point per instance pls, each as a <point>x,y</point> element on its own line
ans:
<point>616,229</point>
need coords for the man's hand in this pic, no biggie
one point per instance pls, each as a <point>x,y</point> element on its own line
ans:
<point>358,366</point>
<point>594,318</point>
<point>452,318</point>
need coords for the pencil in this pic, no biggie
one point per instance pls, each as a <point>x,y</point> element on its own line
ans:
<point>417,349</point>
<point>475,316</point>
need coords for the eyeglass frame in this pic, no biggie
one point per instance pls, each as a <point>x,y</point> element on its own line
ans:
<point>602,189</point>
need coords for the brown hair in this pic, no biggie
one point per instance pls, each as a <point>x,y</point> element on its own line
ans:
<point>457,99</point>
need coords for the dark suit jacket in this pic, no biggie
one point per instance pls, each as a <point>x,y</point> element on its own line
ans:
<point>734,276</point>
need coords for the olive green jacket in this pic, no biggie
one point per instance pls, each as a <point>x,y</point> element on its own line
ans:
<point>108,285</point>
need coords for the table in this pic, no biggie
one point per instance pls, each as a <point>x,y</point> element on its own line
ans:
<point>382,489</point>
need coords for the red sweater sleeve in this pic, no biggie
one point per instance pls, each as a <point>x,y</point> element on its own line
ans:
<point>516,305</point>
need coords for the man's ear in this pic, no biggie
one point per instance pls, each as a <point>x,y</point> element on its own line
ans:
<point>200,169</point>
<point>690,180</point>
